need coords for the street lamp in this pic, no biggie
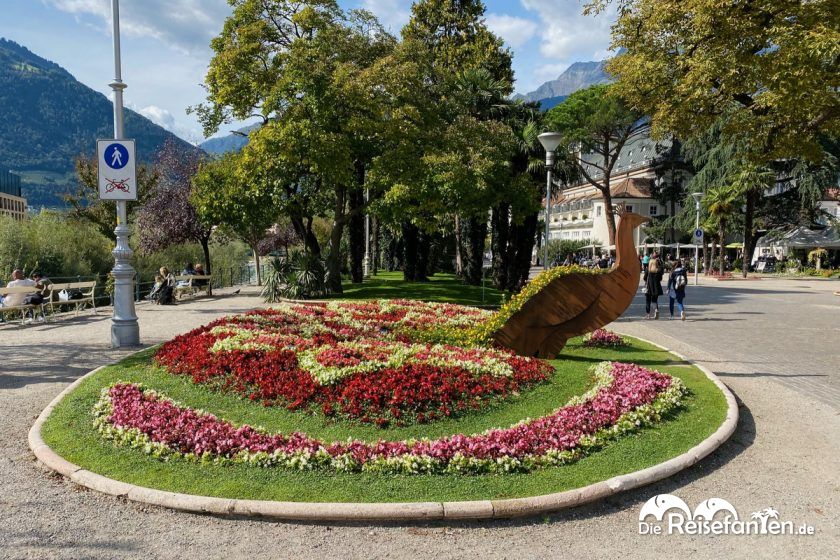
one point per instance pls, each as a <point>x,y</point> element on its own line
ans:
<point>549,141</point>
<point>125,330</point>
<point>697,196</point>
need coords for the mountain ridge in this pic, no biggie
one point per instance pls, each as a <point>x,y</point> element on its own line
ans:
<point>579,75</point>
<point>50,118</point>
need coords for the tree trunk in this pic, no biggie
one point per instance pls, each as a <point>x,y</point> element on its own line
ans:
<point>522,241</point>
<point>409,235</point>
<point>500,239</point>
<point>459,261</point>
<point>476,234</point>
<point>711,257</point>
<point>257,264</point>
<point>722,235</point>
<point>609,213</point>
<point>374,245</point>
<point>303,229</point>
<point>707,258</point>
<point>749,240</point>
<point>205,248</point>
<point>424,244</point>
<point>334,258</point>
<point>356,231</point>
<point>672,232</point>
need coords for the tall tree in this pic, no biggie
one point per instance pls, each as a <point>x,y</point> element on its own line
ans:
<point>465,72</point>
<point>301,66</point>
<point>168,216</point>
<point>223,194</point>
<point>775,64</point>
<point>596,124</point>
<point>722,203</point>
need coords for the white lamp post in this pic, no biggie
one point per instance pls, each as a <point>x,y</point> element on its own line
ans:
<point>697,196</point>
<point>549,141</point>
<point>125,330</point>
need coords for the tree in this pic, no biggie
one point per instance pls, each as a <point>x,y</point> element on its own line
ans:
<point>168,216</point>
<point>223,194</point>
<point>722,203</point>
<point>301,67</point>
<point>596,124</point>
<point>463,73</point>
<point>774,64</point>
<point>85,201</point>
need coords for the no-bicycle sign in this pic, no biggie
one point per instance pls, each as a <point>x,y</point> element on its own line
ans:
<point>117,170</point>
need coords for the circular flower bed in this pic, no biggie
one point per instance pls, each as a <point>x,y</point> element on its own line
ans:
<point>358,361</point>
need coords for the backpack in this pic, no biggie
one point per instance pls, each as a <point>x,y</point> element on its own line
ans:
<point>680,281</point>
<point>34,299</point>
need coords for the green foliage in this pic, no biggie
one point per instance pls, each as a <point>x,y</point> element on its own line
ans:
<point>596,124</point>
<point>223,194</point>
<point>559,249</point>
<point>54,244</point>
<point>774,66</point>
<point>298,275</point>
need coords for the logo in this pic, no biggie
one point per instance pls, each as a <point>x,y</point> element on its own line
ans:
<point>667,514</point>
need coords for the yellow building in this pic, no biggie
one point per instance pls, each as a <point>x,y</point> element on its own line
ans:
<point>11,202</point>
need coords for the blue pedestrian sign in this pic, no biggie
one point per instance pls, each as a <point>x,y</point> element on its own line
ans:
<point>116,156</point>
<point>698,235</point>
<point>117,169</point>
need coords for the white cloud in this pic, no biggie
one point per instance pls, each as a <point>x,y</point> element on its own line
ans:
<point>393,14</point>
<point>566,34</point>
<point>515,31</point>
<point>187,25</point>
<point>163,117</point>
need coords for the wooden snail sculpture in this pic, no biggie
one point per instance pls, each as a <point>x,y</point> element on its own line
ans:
<point>576,304</point>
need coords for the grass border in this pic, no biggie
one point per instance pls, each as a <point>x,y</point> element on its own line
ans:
<point>348,511</point>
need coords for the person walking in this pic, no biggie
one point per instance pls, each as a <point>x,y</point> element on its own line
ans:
<point>653,286</point>
<point>677,281</point>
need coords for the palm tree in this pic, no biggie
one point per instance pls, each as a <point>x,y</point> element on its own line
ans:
<point>751,180</point>
<point>722,203</point>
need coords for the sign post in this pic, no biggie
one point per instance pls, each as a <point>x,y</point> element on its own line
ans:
<point>118,181</point>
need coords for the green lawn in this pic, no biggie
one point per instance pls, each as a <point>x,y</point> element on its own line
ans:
<point>70,433</point>
<point>447,288</point>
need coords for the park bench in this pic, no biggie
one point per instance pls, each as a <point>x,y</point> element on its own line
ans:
<point>189,285</point>
<point>23,308</point>
<point>87,289</point>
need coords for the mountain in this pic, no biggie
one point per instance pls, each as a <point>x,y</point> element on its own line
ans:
<point>233,142</point>
<point>48,118</point>
<point>577,76</point>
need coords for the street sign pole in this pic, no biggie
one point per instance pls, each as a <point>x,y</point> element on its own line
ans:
<point>125,331</point>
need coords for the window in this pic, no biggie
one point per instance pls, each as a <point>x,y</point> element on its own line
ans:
<point>629,207</point>
<point>597,210</point>
<point>653,209</point>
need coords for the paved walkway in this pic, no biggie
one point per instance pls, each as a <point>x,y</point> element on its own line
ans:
<point>785,453</point>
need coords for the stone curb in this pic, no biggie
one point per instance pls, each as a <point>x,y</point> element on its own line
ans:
<point>407,511</point>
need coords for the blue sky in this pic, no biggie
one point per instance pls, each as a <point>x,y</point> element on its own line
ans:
<point>165,44</point>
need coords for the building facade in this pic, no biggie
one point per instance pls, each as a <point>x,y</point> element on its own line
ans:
<point>643,167</point>
<point>12,202</point>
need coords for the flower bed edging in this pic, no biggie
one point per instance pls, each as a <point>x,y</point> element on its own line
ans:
<point>408,511</point>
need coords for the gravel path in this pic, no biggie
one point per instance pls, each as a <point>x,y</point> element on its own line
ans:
<point>785,454</point>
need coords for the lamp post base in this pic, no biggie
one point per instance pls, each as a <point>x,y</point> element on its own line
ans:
<point>125,334</point>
